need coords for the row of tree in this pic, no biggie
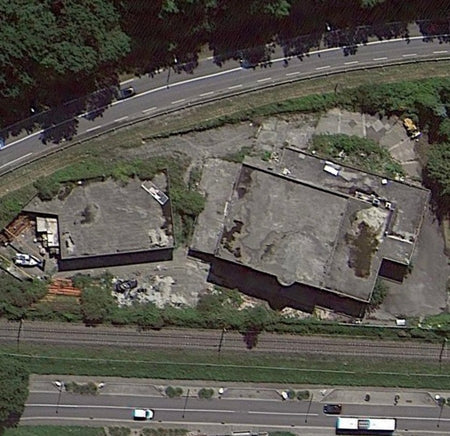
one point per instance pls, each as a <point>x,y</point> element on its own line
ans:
<point>53,53</point>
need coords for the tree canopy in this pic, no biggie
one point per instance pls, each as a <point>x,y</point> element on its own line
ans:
<point>13,391</point>
<point>55,53</point>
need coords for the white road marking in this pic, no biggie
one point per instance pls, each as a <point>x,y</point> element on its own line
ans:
<point>178,101</point>
<point>235,87</point>
<point>16,160</point>
<point>264,80</point>
<point>23,139</point>
<point>121,119</point>
<point>440,51</point>
<point>126,81</point>
<point>283,413</point>
<point>207,93</point>
<point>351,63</point>
<point>93,128</point>
<point>409,55</point>
<point>233,70</point>
<point>145,111</point>
<point>95,406</point>
<point>323,68</point>
<point>295,73</point>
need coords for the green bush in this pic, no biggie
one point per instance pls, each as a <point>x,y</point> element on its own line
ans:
<point>303,395</point>
<point>13,391</point>
<point>359,152</point>
<point>89,388</point>
<point>291,394</point>
<point>16,296</point>
<point>205,393</point>
<point>173,392</point>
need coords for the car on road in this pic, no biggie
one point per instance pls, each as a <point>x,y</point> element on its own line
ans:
<point>143,414</point>
<point>332,409</point>
<point>124,93</point>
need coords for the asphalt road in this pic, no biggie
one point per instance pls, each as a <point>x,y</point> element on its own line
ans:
<point>218,415</point>
<point>155,96</point>
<point>63,333</point>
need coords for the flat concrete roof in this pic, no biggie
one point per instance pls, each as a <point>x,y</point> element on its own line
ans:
<point>101,218</point>
<point>301,224</point>
<point>217,183</point>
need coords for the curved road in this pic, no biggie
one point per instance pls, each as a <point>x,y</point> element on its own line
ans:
<point>209,81</point>
<point>61,333</point>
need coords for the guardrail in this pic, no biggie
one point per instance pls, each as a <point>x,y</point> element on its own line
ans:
<point>87,136</point>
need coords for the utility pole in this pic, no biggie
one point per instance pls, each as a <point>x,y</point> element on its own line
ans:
<point>444,342</point>
<point>185,403</point>
<point>18,333</point>
<point>221,340</point>
<point>309,408</point>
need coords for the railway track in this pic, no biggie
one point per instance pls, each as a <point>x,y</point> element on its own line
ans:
<point>209,340</point>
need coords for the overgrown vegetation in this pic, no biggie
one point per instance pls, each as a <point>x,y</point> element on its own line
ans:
<point>206,393</point>
<point>16,296</point>
<point>173,392</point>
<point>89,388</point>
<point>379,293</point>
<point>358,152</point>
<point>286,368</point>
<point>13,391</point>
<point>187,203</point>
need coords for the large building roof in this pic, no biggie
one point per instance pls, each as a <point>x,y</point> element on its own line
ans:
<point>300,223</point>
<point>102,218</point>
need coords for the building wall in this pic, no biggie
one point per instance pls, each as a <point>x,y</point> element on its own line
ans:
<point>266,287</point>
<point>101,261</point>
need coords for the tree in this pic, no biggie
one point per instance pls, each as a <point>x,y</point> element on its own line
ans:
<point>13,391</point>
<point>97,303</point>
<point>56,51</point>
<point>438,166</point>
<point>16,296</point>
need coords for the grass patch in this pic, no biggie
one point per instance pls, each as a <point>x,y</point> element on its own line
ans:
<point>357,152</point>
<point>254,367</point>
<point>50,430</point>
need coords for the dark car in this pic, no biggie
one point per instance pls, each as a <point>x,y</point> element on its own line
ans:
<point>125,93</point>
<point>332,409</point>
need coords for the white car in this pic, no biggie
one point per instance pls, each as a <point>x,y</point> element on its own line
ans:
<point>143,414</point>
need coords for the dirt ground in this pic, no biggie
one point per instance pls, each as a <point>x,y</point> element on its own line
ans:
<point>181,280</point>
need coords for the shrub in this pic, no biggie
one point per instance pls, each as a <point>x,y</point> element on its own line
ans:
<point>173,392</point>
<point>89,388</point>
<point>206,393</point>
<point>291,394</point>
<point>302,395</point>
<point>13,391</point>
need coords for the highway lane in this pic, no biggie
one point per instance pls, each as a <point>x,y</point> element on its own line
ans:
<point>210,81</point>
<point>239,413</point>
<point>208,340</point>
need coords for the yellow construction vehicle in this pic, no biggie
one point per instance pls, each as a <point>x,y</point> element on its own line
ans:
<point>411,128</point>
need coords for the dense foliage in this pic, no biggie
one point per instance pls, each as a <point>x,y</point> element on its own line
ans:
<point>17,296</point>
<point>357,152</point>
<point>56,52</point>
<point>13,391</point>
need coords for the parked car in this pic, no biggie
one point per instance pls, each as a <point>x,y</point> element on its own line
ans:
<point>332,409</point>
<point>143,414</point>
<point>125,93</point>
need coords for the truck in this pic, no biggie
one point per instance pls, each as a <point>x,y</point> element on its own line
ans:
<point>411,128</point>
